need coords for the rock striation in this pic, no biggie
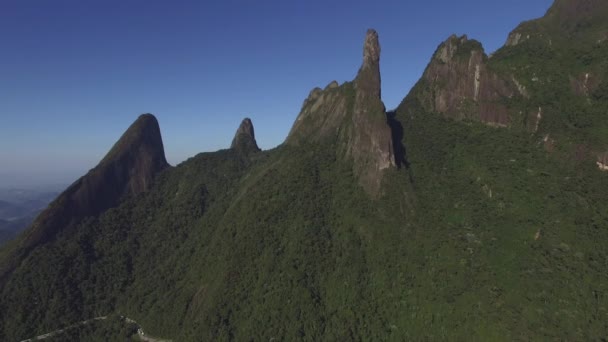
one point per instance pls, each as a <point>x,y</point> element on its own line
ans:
<point>370,141</point>
<point>549,80</point>
<point>353,117</point>
<point>244,139</point>
<point>458,83</point>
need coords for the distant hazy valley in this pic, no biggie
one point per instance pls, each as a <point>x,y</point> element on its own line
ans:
<point>19,208</point>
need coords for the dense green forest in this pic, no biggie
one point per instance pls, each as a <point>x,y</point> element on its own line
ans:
<point>478,233</point>
<point>220,250</point>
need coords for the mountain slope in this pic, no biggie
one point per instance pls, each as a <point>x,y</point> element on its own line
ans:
<point>127,170</point>
<point>560,61</point>
<point>549,80</point>
<point>485,234</point>
<point>287,246</point>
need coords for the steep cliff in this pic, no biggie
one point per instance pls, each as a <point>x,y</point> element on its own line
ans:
<point>561,61</point>
<point>353,116</point>
<point>128,169</point>
<point>458,83</point>
<point>244,138</point>
<point>549,80</point>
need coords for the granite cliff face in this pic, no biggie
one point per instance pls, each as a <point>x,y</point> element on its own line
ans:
<point>353,116</point>
<point>549,80</point>
<point>560,59</point>
<point>135,159</point>
<point>244,139</point>
<point>370,142</point>
<point>128,169</point>
<point>458,83</point>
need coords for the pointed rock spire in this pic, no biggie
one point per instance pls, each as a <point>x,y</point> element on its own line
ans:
<point>144,131</point>
<point>371,144</point>
<point>368,78</point>
<point>139,153</point>
<point>371,48</point>
<point>352,114</point>
<point>128,169</point>
<point>244,139</point>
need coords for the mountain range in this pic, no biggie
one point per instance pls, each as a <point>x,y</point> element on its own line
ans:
<point>476,210</point>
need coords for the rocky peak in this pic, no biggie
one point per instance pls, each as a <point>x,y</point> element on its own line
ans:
<point>128,169</point>
<point>447,50</point>
<point>368,78</point>
<point>332,85</point>
<point>353,117</point>
<point>458,83</point>
<point>371,145</point>
<point>140,147</point>
<point>244,139</point>
<point>371,49</point>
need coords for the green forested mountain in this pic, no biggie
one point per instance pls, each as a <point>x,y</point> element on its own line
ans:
<point>477,210</point>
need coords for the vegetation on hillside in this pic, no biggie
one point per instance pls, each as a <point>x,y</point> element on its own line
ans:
<point>491,243</point>
<point>482,234</point>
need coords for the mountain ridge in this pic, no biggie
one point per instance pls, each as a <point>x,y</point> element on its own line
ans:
<point>475,211</point>
<point>353,115</point>
<point>244,138</point>
<point>129,168</point>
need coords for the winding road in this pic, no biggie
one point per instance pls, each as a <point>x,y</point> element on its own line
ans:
<point>140,331</point>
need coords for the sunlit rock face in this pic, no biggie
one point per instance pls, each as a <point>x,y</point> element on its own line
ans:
<point>458,83</point>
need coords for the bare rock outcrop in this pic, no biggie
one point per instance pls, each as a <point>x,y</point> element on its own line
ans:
<point>459,84</point>
<point>353,116</point>
<point>244,139</point>
<point>128,169</point>
<point>370,142</point>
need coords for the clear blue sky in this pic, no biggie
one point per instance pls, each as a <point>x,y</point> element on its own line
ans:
<point>75,74</point>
